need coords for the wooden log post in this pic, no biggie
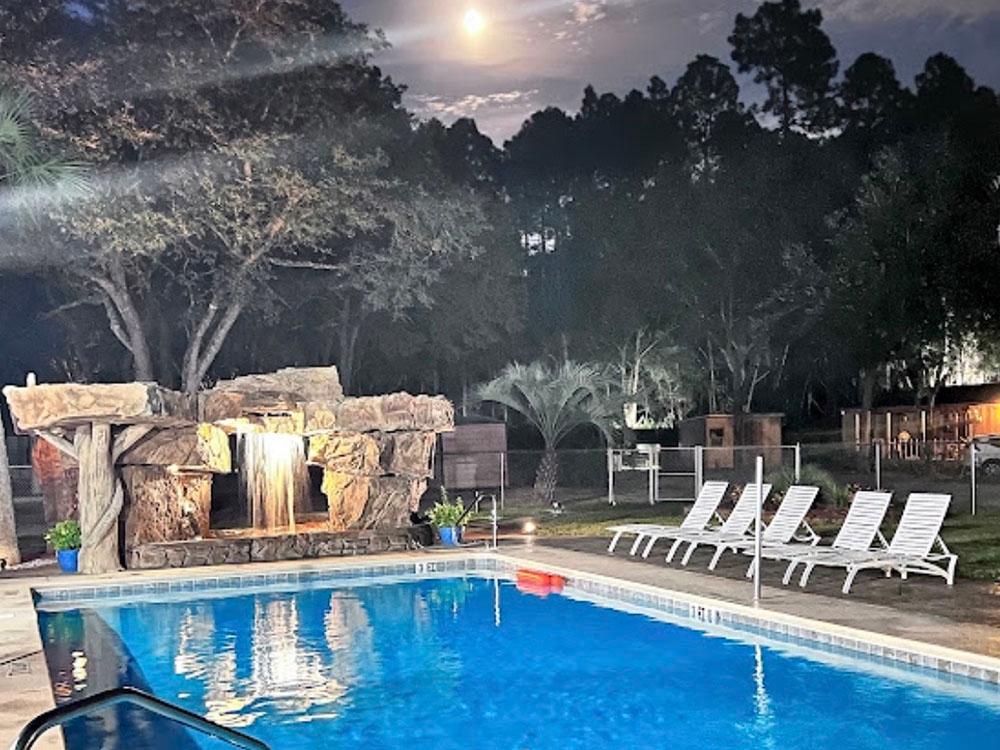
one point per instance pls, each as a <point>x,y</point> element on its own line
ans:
<point>100,499</point>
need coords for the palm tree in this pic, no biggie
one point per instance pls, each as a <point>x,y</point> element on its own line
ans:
<point>555,399</point>
<point>28,175</point>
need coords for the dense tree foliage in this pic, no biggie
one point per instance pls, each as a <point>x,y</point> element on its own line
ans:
<point>265,200</point>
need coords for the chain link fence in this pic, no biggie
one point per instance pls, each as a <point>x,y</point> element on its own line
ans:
<point>22,478</point>
<point>663,474</point>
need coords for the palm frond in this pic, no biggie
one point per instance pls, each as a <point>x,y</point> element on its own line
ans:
<point>555,399</point>
<point>29,177</point>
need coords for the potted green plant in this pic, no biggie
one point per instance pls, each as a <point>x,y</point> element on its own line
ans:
<point>446,516</point>
<point>64,538</point>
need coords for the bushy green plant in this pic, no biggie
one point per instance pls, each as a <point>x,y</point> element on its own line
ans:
<point>445,513</point>
<point>830,491</point>
<point>64,535</point>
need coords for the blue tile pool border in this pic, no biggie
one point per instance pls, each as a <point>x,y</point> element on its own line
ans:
<point>811,633</point>
<point>69,594</point>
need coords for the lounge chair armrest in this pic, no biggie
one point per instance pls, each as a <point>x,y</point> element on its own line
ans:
<point>807,534</point>
<point>881,539</point>
<point>940,543</point>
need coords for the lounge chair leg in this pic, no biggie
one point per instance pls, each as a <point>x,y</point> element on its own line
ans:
<point>715,558</point>
<point>690,551</point>
<point>902,572</point>
<point>788,572</point>
<point>851,572</point>
<point>673,549</point>
<point>635,545</point>
<point>614,542</point>
<point>649,547</point>
<point>951,571</point>
<point>806,572</point>
<point>751,567</point>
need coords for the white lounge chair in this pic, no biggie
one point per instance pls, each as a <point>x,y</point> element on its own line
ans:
<point>700,515</point>
<point>787,520</point>
<point>910,551</point>
<point>858,533</point>
<point>735,526</point>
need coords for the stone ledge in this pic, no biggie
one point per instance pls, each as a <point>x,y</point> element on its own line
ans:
<point>307,545</point>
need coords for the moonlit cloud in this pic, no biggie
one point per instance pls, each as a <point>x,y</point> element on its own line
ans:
<point>470,104</point>
<point>588,11</point>
<point>872,11</point>
<point>537,53</point>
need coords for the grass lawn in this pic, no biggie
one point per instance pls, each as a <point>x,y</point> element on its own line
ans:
<point>975,539</point>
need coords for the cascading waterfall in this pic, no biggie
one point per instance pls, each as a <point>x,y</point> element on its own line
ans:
<point>274,478</point>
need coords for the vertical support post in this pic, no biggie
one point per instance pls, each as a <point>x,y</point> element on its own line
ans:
<point>611,476</point>
<point>496,519</point>
<point>878,464</point>
<point>699,469</point>
<point>759,502</point>
<point>857,430</point>
<point>100,496</point>
<point>972,474</point>
<point>798,462</point>
<point>656,472</point>
<point>650,476</point>
<point>503,477</point>
<point>923,426</point>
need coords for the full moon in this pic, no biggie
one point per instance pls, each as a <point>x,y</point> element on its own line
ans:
<point>473,22</point>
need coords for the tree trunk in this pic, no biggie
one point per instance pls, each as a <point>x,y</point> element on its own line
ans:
<point>100,499</point>
<point>347,340</point>
<point>546,477</point>
<point>8,531</point>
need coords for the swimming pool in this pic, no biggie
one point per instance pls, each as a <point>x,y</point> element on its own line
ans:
<point>472,662</point>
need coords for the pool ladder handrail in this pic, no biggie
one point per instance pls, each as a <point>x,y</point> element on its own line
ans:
<point>61,714</point>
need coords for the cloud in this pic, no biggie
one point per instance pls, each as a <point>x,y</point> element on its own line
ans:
<point>588,11</point>
<point>878,11</point>
<point>469,104</point>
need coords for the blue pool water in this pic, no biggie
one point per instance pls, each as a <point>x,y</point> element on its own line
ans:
<point>475,663</point>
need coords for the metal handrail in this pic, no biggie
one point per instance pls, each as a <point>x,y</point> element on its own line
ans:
<point>61,714</point>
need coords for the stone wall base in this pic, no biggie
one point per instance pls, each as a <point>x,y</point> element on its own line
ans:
<point>223,551</point>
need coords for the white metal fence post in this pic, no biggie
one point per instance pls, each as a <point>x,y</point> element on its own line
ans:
<point>756,530</point>
<point>503,478</point>
<point>611,476</point>
<point>798,462</point>
<point>496,521</point>
<point>699,469</point>
<point>972,474</point>
<point>878,465</point>
<point>656,472</point>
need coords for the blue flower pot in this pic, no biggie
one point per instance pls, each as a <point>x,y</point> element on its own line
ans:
<point>450,535</point>
<point>68,560</point>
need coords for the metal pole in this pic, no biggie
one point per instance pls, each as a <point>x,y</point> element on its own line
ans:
<point>611,476</point>
<point>503,477</point>
<point>878,465</point>
<point>756,530</point>
<point>651,458</point>
<point>798,462</point>
<point>972,473</point>
<point>495,521</point>
<point>699,468</point>
<point>656,473</point>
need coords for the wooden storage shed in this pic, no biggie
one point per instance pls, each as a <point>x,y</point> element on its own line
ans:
<point>722,433</point>
<point>471,455</point>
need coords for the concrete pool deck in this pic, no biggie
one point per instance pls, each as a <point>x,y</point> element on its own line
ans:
<point>25,687</point>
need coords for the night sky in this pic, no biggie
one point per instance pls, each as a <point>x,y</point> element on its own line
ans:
<point>533,53</point>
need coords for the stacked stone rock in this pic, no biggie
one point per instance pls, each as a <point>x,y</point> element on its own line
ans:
<point>376,451</point>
